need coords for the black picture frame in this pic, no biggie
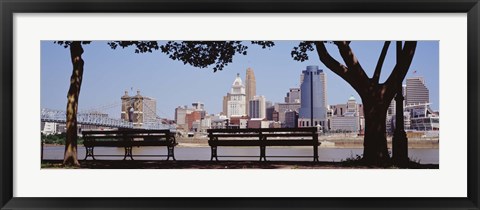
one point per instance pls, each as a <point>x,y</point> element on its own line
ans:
<point>10,7</point>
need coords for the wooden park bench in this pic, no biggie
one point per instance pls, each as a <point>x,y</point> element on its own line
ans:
<point>263,137</point>
<point>128,138</point>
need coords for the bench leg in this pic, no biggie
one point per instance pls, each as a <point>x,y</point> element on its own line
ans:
<point>89,153</point>
<point>315,153</point>
<point>170,153</point>
<point>263,153</point>
<point>128,153</point>
<point>214,153</point>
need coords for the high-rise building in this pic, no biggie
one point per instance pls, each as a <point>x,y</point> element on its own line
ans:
<point>293,96</point>
<point>138,109</point>
<point>236,105</point>
<point>250,88</point>
<point>313,79</point>
<point>225,104</point>
<point>268,104</point>
<point>416,91</point>
<point>257,107</point>
<point>269,112</point>
<point>291,119</point>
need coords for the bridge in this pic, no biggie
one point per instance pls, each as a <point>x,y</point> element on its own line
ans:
<point>97,119</point>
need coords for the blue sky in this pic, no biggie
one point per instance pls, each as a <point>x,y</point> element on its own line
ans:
<point>108,73</point>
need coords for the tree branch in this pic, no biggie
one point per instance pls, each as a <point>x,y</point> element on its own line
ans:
<point>347,54</point>
<point>381,59</point>
<point>355,69</point>
<point>335,66</point>
<point>329,61</point>
<point>399,50</point>
<point>404,60</point>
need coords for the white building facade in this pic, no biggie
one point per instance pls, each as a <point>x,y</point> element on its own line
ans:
<point>348,121</point>
<point>416,91</point>
<point>236,104</point>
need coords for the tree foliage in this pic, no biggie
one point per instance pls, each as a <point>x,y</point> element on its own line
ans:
<point>201,54</point>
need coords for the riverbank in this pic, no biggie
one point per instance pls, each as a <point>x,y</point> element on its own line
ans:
<point>179,164</point>
<point>337,142</point>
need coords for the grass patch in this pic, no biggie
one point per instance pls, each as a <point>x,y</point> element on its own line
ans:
<point>56,165</point>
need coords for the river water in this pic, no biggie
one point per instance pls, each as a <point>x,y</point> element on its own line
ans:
<point>424,156</point>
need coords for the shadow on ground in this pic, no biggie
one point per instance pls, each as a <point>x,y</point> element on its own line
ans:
<point>183,164</point>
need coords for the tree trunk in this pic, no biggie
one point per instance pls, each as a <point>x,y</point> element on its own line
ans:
<point>375,151</point>
<point>70,155</point>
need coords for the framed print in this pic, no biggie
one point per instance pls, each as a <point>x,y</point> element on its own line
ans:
<point>258,134</point>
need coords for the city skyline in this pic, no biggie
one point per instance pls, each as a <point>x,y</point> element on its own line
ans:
<point>108,73</point>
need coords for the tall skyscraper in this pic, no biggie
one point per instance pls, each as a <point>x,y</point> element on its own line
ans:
<point>236,105</point>
<point>416,91</point>
<point>250,87</point>
<point>313,79</point>
<point>257,107</point>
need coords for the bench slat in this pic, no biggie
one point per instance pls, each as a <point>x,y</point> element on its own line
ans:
<point>128,143</point>
<point>263,143</point>
<point>243,130</point>
<point>263,135</point>
<point>129,131</point>
<point>290,143</point>
<point>235,143</point>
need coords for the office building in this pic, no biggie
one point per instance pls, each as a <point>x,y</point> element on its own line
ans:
<point>225,104</point>
<point>236,105</point>
<point>422,117</point>
<point>291,119</point>
<point>250,88</point>
<point>349,120</point>
<point>293,96</point>
<point>186,117</point>
<point>269,112</point>
<point>268,104</point>
<point>313,79</point>
<point>181,116</point>
<point>283,108</point>
<point>257,107</point>
<point>258,123</point>
<point>416,91</point>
